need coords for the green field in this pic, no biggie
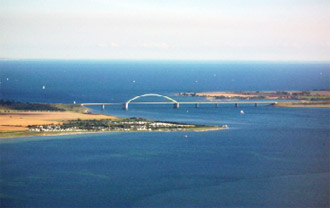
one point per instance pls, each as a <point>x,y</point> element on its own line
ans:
<point>315,97</point>
<point>12,106</point>
<point>303,104</point>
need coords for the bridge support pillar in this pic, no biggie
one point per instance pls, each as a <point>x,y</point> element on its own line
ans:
<point>197,105</point>
<point>176,105</point>
<point>103,107</point>
<point>125,106</point>
<point>256,105</point>
<point>217,105</point>
<point>236,105</point>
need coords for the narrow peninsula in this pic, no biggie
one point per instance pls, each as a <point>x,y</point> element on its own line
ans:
<point>34,119</point>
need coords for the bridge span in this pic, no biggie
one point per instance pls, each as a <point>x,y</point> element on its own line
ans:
<point>175,103</point>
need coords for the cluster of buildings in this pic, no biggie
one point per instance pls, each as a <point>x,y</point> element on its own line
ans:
<point>52,128</point>
<point>115,126</point>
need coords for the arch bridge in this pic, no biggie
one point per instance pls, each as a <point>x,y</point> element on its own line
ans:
<point>176,104</point>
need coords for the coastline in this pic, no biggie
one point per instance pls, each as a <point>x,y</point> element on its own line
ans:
<point>303,104</point>
<point>100,132</point>
<point>18,124</point>
<point>317,98</point>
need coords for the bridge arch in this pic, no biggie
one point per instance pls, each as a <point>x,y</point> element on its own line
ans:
<point>152,95</point>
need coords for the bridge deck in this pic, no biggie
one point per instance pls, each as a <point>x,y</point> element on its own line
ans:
<point>174,102</point>
<point>203,102</point>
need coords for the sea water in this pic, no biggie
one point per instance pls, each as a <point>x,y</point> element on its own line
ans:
<point>268,157</point>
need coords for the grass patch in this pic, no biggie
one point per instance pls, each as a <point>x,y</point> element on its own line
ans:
<point>303,104</point>
<point>13,106</point>
<point>315,97</point>
<point>7,134</point>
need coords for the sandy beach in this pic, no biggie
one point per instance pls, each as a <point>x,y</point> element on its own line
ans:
<point>225,94</point>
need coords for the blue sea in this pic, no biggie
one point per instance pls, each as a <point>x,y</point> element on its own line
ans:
<point>269,156</point>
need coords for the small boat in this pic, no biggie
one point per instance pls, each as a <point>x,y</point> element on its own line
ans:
<point>242,112</point>
<point>43,87</point>
<point>185,136</point>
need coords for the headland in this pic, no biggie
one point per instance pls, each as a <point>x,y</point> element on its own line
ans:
<point>25,119</point>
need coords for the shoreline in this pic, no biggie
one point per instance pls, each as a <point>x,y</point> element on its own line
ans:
<point>101,132</point>
<point>18,124</point>
<point>303,104</point>
<point>294,95</point>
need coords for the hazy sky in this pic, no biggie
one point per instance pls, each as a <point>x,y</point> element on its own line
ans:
<point>165,29</point>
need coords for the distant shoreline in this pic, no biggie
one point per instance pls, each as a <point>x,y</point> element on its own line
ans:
<point>309,98</point>
<point>308,95</point>
<point>305,104</point>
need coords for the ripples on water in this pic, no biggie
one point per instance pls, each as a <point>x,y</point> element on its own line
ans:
<point>277,157</point>
<point>268,157</point>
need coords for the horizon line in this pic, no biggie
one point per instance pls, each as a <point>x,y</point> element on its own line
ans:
<point>176,60</point>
